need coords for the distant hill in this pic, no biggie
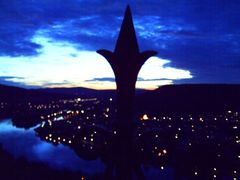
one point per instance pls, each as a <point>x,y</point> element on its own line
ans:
<point>197,98</point>
<point>78,91</point>
<point>170,99</point>
<point>16,94</point>
<point>8,93</point>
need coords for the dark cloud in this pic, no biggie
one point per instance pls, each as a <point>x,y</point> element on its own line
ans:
<point>50,84</point>
<point>200,36</point>
<point>113,79</point>
<point>101,79</point>
<point>7,80</point>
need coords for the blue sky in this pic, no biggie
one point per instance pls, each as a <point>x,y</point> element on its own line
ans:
<point>52,43</point>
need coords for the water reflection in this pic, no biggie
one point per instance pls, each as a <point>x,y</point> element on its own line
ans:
<point>91,142</point>
<point>24,143</point>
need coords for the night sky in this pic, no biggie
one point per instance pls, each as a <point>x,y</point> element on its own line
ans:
<point>53,43</point>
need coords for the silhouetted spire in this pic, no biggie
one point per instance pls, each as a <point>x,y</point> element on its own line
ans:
<point>126,55</point>
<point>126,61</point>
<point>127,41</point>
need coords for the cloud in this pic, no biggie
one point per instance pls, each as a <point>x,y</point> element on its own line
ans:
<point>202,37</point>
<point>56,67</point>
<point>109,83</point>
<point>13,81</point>
<point>20,20</point>
<point>111,79</point>
<point>157,68</point>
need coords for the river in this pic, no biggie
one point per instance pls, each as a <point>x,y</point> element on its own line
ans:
<point>25,143</point>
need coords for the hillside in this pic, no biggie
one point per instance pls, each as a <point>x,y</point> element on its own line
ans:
<point>78,91</point>
<point>170,99</point>
<point>15,94</point>
<point>197,98</point>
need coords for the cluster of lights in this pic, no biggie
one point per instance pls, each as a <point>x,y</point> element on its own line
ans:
<point>3,105</point>
<point>144,117</point>
<point>194,125</point>
<point>162,152</point>
<point>57,139</point>
<point>196,128</point>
